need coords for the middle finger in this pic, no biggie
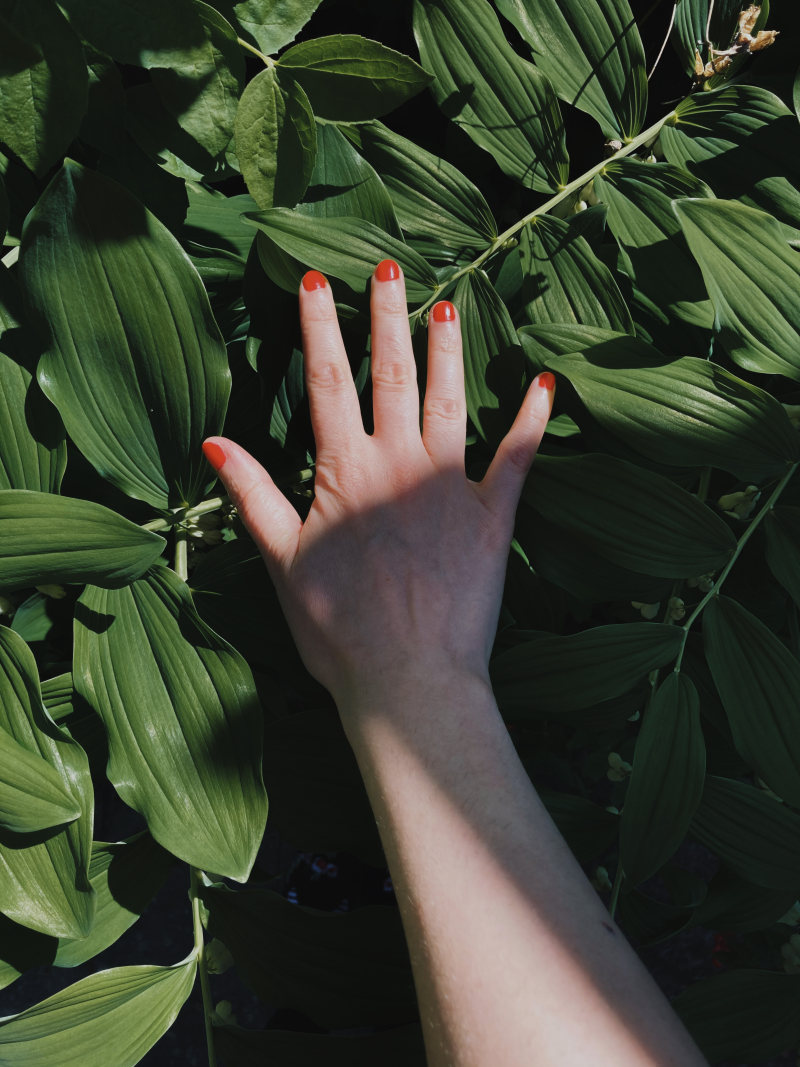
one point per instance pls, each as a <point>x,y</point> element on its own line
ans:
<point>395,396</point>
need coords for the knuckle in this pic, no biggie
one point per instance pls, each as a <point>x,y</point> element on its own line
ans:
<point>326,374</point>
<point>393,372</point>
<point>447,408</point>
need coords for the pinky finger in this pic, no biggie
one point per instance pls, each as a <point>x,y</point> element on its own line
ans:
<point>503,482</point>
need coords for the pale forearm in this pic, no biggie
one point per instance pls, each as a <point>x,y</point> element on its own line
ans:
<point>508,940</point>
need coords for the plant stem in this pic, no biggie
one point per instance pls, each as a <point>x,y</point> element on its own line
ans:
<point>181,567</point>
<point>715,588</point>
<point>573,187</point>
<point>612,904</point>
<point>202,967</point>
<point>268,62</point>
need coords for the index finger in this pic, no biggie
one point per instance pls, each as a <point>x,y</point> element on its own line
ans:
<point>332,396</point>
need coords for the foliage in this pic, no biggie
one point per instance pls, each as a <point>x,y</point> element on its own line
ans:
<point>167,173</point>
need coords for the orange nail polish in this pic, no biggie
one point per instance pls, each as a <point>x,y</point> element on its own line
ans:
<point>387,271</point>
<point>546,380</point>
<point>214,454</point>
<point>313,280</point>
<point>443,312</point>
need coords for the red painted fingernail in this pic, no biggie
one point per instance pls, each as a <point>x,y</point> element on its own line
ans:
<point>547,380</point>
<point>443,312</point>
<point>214,454</point>
<point>387,271</point>
<point>313,280</point>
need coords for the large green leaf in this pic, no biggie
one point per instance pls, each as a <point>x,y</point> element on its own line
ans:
<point>782,534</point>
<point>553,675</point>
<point>669,768</point>
<point>202,91</point>
<point>554,276</point>
<point>46,538</point>
<point>757,837</point>
<point>758,680</point>
<point>747,1016</point>
<point>351,78</point>
<point>347,248</point>
<point>639,200</point>
<point>33,451</point>
<point>442,213</point>
<point>630,516</point>
<point>592,53</point>
<point>400,1046</point>
<point>183,720</point>
<point>276,139</point>
<point>688,412</point>
<point>214,220</point>
<point>734,904</point>
<point>33,795</point>
<point>745,143</point>
<point>272,24</point>
<point>113,1017</point>
<point>134,360</point>
<point>502,102</point>
<point>342,970</point>
<point>125,876</point>
<point>43,83</point>
<point>493,364</point>
<point>143,33</point>
<point>44,880</point>
<point>753,278</point>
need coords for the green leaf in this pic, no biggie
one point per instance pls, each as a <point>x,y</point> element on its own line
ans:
<point>342,970</point>
<point>202,91</point>
<point>33,795</point>
<point>54,862</point>
<point>555,277</point>
<point>398,1047</point>
<point>33,451</point>
<point>444,215</point>
<point>183,720</point>
<point>758,680</point>
<point>3,209</point>
<point>493,363</point>
<point>113,1017</point>
<point>142,33</point>
<point>276,140</point>
<point>745,143</point>
<point>125,876</point>
<point>734,904</point>
<point>544,340</point>
<point>750,1016</point>
<point>350,78</point>
<point>43,87</point>
<point>666,783</point>
<point>755,835</point>
<point>344,183</point>
<point>630,516</point>
<point>134,360</point>
<point>347,248</point>
<point>502,102</point>
<point>214,220</point>
<point>639,200</point>
<point>553,675</point>
<point>691,26</point>
<point>753,278</point>
<point>592,53</point>
<point>687,413</point>
<point>782,533</point>
<point>47,539</point>
<point>272,24</point>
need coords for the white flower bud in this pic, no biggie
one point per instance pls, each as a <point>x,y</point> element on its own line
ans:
<point>647,611</point>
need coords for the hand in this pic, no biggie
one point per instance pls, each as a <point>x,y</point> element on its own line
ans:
<point>399,566</point>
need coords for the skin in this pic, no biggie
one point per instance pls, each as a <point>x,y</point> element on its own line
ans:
<point>392,589</point>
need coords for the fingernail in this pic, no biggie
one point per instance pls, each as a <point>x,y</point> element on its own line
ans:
<point>443,312</point>
<point>313,280</point>
<point>387,271</point>
<point>214,454</point>
<point>546,380</point>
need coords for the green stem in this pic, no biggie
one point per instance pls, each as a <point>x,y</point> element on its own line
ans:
<point>268,62</point>
<point>573,187</point>
<point>181,567</point>
<point>195,883</point>
<point>612,904</point>
<point>715,588</point>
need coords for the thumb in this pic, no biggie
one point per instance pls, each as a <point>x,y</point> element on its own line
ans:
<point>270,519</point>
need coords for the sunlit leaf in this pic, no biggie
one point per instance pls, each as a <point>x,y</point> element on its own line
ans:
<point>501,101</point>
<point>271,25</point>
<point>134,360</point>
<point>183,720</point>
<point>669,767</point>
<point>592,53</point>
<point>33,795</point>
